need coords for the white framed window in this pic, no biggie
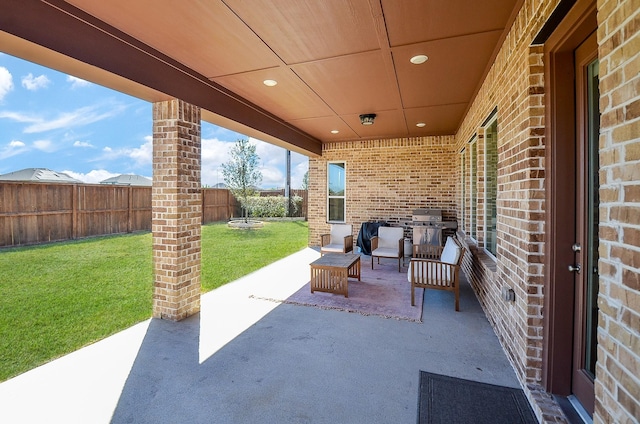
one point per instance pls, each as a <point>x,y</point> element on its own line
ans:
<point>473,188</point>
<point>336,191</point>
<point>491,184</point>
<point>463,183</point>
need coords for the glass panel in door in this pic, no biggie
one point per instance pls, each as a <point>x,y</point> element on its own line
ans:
<point>587,221</point>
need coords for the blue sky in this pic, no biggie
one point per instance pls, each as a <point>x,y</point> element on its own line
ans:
<point>53,120</point>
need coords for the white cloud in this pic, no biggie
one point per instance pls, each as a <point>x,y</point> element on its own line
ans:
<point>142,155</point>
<point>79,143</point>
<point>272,163</point>
<point>215,152</point>
<point>270,154</point>
<point>77,82</point>
<point>6,82</point>
<point>13,148</point>
<point>32,83</point>
<point>79,117</point>
<point>18,117</point>
<point>45,145</point>
<point>272,177</point>
<point>92,177</point>
<point>299,167</point>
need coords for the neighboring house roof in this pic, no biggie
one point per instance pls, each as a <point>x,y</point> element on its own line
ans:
<point>128,179</point>
<point>39,175</point>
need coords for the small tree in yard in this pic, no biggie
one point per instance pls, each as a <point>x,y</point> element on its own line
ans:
<point>241,173</point>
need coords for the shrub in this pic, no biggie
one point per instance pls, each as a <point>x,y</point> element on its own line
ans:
<point>271,206</point>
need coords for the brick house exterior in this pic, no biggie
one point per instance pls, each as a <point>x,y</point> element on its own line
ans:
<point>531,93</point>
<point>387,179</point>
<point>617,382</point>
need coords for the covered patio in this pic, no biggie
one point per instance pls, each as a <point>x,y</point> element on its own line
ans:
<point>519,119</point>
<point>246,359</point>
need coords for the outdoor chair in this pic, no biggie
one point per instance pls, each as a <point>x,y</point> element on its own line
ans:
<point>339,240</point>
<point>389,243</point>
<point>436,267</point>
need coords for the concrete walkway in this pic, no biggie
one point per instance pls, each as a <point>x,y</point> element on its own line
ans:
<point>247,360</point>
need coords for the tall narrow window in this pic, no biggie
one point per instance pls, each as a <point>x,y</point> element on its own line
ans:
<point>491,185</point>
<point>592,216</point>
<point>473,188</point>
<point>463,181</point>
<point>336,187</point>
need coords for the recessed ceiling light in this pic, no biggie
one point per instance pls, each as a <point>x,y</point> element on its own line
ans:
<point>270,82</point>
<point>417,60</point>
<point>421,124</point>
<point>334,131</point>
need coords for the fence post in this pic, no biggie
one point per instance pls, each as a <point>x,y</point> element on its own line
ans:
<point>202,194</point>
<point>74,212</point>
<point>129,209</point>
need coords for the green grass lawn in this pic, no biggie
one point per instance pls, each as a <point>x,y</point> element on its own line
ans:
<point>59,297</point>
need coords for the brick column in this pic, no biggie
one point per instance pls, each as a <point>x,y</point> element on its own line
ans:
<point>617,386</point>
<point>176,209</point>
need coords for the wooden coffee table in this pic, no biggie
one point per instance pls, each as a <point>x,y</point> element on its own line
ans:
<point>331,272</point>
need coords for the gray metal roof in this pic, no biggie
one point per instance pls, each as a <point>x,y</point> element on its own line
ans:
<point>128,179</point>
<point>39,175</point>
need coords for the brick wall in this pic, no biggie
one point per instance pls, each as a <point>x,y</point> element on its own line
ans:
<point>381,185</point>
<point>515,86</point>
<point>386,180</point>
<point>617,381</point>
<point>176,209</point>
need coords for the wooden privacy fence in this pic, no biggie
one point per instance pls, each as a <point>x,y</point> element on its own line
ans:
<point>218,205</point>
<point>39,212</point>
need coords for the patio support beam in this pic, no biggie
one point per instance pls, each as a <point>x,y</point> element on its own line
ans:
<point>176,209</point>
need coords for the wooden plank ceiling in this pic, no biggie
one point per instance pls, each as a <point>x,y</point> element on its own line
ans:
<point>332,59</point>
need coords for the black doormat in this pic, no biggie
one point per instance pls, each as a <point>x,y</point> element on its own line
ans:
<point>452,400</point>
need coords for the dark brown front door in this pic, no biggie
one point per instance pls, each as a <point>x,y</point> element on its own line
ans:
<point>571,237</point>
<point>585,267</point>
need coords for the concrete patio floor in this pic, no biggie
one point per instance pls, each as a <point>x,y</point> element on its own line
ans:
<point>248,360</point>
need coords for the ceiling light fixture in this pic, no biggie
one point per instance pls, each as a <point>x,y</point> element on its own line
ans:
<point>334,131</point>
<point>270,82</point>
<point>417,60</point>
<point>367,118</point>
<point>421,124</point>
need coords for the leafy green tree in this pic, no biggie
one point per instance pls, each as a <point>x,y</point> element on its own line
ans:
<point>241,173</point>
<point>305,181</point>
